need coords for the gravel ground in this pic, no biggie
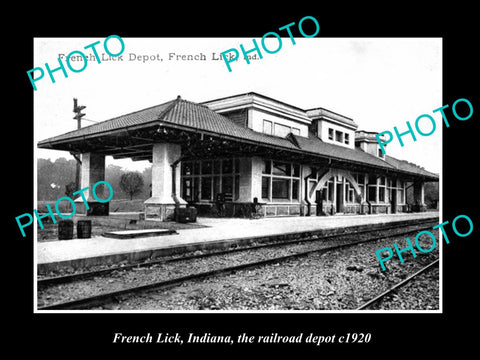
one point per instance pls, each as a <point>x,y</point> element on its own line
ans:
<point>419,294</point>
<point>339,279</point>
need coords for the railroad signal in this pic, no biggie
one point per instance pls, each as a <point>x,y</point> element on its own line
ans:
<point>78,110</point>
<point>79,116</point>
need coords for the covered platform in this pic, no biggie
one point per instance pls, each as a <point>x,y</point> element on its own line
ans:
<point>227,154</point>
<point>216,233</point>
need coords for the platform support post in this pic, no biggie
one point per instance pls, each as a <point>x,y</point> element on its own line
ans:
<point>93,170</point>
<point>419,196</point>
<point>161,205</point>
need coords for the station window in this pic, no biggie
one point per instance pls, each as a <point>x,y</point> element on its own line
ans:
<point>331,189</point>
<point>267,127</point>
<point>277,129</point>
<point>207,167</point>
<point>187,168</point>
<point>347,138</point>
<point>265,188</point>
<point>266,168</point>
<point>227,166</point>
<point>187,189</point>
<point>202,180</point>
<point>196,167</point>
<point>280,188</point>
<point>281,130</point>
<point>280,181</point>
<point>330,134</point>
<point>381,194</point>
<point>216,166</point>
<point>338,136</point>
<point>196,189</point>
<point>372,193</point>
<point>400,195</point>
<point>227,187</point>
<point>206,188</point>
<point>382,189</point>
<point>349,192</point>
<point>295,189</point>
<point>216,186</point>
<point>237,187</point>
<point>280,168</point>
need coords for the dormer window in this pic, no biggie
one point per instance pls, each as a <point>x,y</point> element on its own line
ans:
<point>280,130</point>
<point>339,136</point>
<point>330,134</point>
<point>347,138</point>
<point>267,127</point>
<point>367,141</point>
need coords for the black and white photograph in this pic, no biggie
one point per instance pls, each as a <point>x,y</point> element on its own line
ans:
<point>219,184</point>
<point>247,197</point>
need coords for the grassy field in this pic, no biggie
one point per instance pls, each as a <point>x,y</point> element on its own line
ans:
<point>119,219</point>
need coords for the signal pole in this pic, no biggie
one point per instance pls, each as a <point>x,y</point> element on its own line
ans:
<point>78,110</point>
<point>78,116</point>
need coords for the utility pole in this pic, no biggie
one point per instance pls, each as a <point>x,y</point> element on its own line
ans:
<point>78,116</point>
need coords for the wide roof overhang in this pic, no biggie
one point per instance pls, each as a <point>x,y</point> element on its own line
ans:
<point>203,133</point>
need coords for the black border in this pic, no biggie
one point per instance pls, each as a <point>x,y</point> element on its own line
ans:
<point>410,334</point>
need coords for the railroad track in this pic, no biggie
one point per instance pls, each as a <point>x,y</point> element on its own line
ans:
<point>394,288</point>
<point>48,281</point>
<point>112,296</point>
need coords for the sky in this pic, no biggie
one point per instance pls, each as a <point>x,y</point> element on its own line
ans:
<point>378,82</point>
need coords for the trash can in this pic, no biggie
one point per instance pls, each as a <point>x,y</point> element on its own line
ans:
<point>84,229</point>
<point>184,215</point>
<point>65,230</point>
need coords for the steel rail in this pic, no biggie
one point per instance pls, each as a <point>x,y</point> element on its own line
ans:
<point>103,298</point>
<point>41,283</point>
<point>397,286</point>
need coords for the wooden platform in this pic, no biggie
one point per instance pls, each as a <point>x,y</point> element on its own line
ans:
<point>130,234</point>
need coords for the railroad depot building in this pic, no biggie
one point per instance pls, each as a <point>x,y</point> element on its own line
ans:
<point>246,149</point>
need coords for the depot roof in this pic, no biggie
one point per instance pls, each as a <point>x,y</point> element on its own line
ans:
<point>193,117</point>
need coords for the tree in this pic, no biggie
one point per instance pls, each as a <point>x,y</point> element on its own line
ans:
<point>70,188</point>
<point>52,177</point>
<point>113,173</point>
<point>131,183</point>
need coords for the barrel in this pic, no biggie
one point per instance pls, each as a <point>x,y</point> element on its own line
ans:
<point>84,229</point>
<point>184,215</point>
<point>65,230</point>
<point>193,214</point>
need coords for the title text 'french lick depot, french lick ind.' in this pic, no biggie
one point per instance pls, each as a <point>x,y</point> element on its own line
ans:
<point>249,149</point>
